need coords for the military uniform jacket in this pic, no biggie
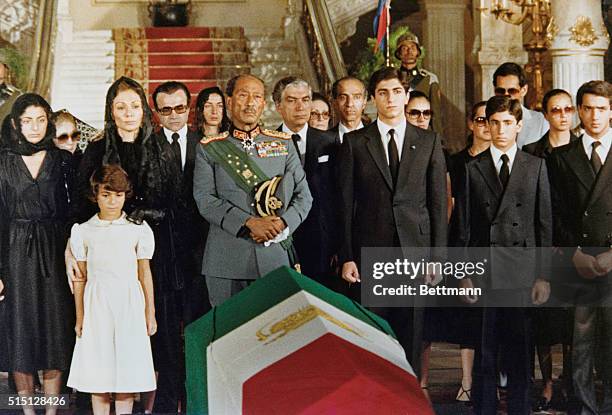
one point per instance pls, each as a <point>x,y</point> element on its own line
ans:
<point>227,207</point>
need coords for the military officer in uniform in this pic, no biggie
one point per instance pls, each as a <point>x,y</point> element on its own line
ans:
<point>414,78</point>
<point>250,186</point>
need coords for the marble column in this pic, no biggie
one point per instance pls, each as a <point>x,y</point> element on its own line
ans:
<point>443,39</point>
<point>496,42</point>
<point>579,42</point>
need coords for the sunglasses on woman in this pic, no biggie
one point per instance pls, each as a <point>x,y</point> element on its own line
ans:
<point>557,111</point>
<point>75,136</point>
<point>417,113</point>
<point>480,121</point>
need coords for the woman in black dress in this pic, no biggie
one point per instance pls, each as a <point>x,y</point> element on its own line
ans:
<point>128,141</point>
<point>35,193</point>
<point>465,322</point>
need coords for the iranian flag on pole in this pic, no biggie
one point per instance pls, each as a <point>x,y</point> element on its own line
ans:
<point>287,345</point>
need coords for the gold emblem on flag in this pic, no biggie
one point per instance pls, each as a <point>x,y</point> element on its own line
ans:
<point>271,333</point>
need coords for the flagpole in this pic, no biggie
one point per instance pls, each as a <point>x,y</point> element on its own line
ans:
<point>387,34</point>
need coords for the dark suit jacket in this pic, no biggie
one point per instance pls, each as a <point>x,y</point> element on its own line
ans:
<point>519,217</point>
<point>191,229</point>
<point>315,240</point>
<point>373,213</point>
<point>582,203</point>
<point>542,147</point>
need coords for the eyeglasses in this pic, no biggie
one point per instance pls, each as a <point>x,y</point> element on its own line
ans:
<point>509,91</point>
<point>416,114</point>
<point>480,121</point>
<point>179,109</point>
<point>557,111</point>
<point>75,136</point>
<point>320,115</point>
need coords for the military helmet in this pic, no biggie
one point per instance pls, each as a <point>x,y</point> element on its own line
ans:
<point>407,38</point>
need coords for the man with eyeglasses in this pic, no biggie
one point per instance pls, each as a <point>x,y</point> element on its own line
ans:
<point>415,78</point>
<point>349,99</point>
<point>188,299</point>
<point>581,178</point>
<point>315,239</point>
<point>510,80</point>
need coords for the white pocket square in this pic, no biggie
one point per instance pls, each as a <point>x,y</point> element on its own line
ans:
<point>323,159</point>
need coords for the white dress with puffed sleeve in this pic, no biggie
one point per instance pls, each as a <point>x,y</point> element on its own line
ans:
<point>113,353</point>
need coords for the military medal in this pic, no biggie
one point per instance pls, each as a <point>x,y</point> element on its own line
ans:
<point>248,144</point>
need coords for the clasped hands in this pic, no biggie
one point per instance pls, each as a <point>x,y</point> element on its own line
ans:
<point>591,267</point>
<point>265,229</point>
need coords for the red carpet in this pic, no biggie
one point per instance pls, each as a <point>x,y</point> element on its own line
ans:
<point>200,57</point>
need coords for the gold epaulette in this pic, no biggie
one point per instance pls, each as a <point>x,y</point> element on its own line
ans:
<point>209,139</point>
<point>276,134</point>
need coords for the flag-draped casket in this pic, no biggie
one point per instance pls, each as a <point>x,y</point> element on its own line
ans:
<point>288,345</point>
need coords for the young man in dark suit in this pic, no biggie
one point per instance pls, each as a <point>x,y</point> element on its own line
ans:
<point>187,299</point>
<point>392,183</point>
<point>316,238</point>
<point>504,204</point>
<point>581,177</point>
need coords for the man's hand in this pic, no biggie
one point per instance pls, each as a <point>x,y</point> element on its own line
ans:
<point>586,265</point>
<point>468,283</point>
<point>1,290</point>
<point>604,262</point>
<point>350,272</point>
<point>265,229</point>
<point>433,278</point>
<point>72,267</point>
<point>540,292</point>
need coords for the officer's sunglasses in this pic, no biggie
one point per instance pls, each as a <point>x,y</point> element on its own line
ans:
<point>503,91</point>
<point>75,136</point>
<point>179,109</point>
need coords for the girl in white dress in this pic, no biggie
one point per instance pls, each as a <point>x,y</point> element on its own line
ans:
<point>114,302</point>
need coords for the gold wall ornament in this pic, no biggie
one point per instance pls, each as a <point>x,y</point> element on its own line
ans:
<point>583,32</point>
<point>604,31</point>
<point>552,30</point>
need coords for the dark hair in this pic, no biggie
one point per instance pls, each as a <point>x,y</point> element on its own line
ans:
<point>503,103</point>
<point>231,84</point>
<point>418,94</point>
<point>508,69</point>
<point>553,93</point>
<point>316,96</point>
<point>110,177</point>
<point>282,84</point>
<point>599,88</point>
<point>337,82</point>
<point>170,87</point>
<point>16,138</point>
<point>475,108</point>
<point>383,74</point>
<point>203,99</point>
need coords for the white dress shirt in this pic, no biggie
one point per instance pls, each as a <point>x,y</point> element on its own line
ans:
<point>343,129</point>
<point>302,133</point>
<point>182,141</point>
<point>497,153</point>
<point>400,131</point>
<point>602,150</point>
<point>534,127</point>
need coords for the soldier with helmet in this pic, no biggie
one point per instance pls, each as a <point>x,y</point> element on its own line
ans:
<point>408,51</point>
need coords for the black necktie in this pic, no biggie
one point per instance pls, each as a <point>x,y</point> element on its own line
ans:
<point>504,172</point>
<point>176,149</point>
<point>393,156</point>
<point>296,139</point>
<point>595,160</point>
